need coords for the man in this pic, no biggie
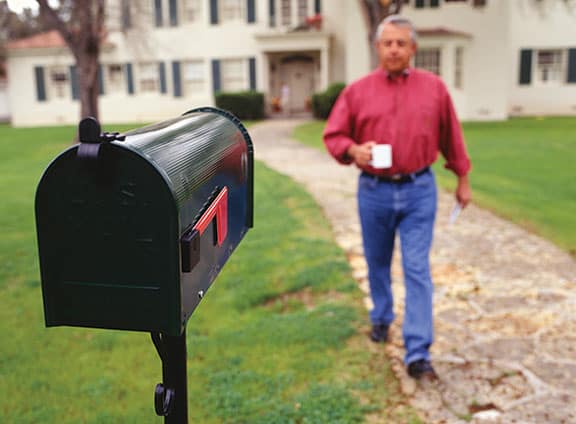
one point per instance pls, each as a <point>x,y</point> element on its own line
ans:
<point>411,111</point>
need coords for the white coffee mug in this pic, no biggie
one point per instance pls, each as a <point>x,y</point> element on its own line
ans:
<point>381,156</point>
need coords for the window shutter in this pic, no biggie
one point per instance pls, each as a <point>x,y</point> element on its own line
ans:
<point>525,67</point>
<point>176,76</point>
<point>126,14</point>
<point>317,6</point>
<point>74,82</point>
<point>129,79</point>
<point>213,12</point>
<point>252,72</point>
<point>101,79</point>
<point>272,12</point>
<point>40,84</point>
<point>173,9</point>
<point>162,75</point>
<point>251,11</point>
<point>216,81</point>
<point>434,3</point>
<point>571,77</point>
<point>419,4</point>
<point>158,12</point>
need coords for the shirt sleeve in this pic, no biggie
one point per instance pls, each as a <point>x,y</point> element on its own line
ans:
<point>452,144</point>
<point>338,130</point>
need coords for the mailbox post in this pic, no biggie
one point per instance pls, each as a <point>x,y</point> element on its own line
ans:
<point>134,228</point>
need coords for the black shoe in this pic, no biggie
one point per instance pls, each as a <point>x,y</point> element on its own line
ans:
<point>421,368</point>
<point>379,333</point>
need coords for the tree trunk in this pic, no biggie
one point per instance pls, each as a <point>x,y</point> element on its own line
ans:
<point>88,84</point>
<point>83,30</point>
<point>374,12</point>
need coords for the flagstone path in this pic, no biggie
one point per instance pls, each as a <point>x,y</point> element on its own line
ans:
<point>505,300</point>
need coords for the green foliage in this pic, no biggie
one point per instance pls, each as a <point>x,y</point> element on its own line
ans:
<point>323,102</point>
<point>522,169</point>
<point>275,340</point>
<point>244,105</point>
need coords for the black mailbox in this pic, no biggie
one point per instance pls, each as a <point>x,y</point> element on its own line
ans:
<point>132,233</point>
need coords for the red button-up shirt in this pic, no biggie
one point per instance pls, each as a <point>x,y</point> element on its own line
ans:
<point>412,112</point>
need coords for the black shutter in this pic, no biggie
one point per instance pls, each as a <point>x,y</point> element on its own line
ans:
<point>101,79</point>
<point>162,75</point>
<point>74,82</point>
<point>126,14</point>
<point>40,84</point>
<point>173,8</point>
<point>216,81</point>
<point>158,12</point>
<point>434,3</point>
<point>129,79</point>
<point>251,11</point>
<point>317,6</point>
<point>177,79</point>
<point>272,12</point>
<point>525,67</point>
<point>252,72</point>
<point>571,77</point>
<point>213,12</point>
<point>419,4</point>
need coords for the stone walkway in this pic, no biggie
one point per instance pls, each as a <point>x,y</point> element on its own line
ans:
<point>505,300</point>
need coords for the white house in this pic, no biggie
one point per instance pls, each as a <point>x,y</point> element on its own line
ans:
<point>163,57</point>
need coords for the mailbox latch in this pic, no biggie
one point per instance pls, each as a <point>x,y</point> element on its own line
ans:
<point>190,241</point>
<point>91,138</point>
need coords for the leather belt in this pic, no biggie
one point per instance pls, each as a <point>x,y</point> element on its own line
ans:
<point>397,178</point>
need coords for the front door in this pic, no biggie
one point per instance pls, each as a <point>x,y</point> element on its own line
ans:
<point>300,79</point>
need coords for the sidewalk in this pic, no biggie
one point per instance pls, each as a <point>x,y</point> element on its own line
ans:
<point>505,300</point>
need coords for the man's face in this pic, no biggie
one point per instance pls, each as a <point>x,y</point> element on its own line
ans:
<point>395,48</point>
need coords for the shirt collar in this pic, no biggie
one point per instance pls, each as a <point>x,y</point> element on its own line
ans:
<point>389,77</point>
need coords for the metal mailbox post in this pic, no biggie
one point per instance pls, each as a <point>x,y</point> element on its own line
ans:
<point>133,229</point>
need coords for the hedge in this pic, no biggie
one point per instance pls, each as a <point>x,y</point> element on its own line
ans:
<point>323,102</point>
<point>245,104</point>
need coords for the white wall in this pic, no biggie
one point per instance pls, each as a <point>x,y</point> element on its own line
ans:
<point>486,55</point>
<point>550,24</point>
<point>357,46</point>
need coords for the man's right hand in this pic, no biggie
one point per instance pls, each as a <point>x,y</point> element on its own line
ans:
<point>361,154</point>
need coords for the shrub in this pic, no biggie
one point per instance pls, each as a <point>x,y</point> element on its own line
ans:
<point>323,102</point>
<point>245,104</point>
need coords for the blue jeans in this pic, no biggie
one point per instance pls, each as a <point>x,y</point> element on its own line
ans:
<point>410,209</point>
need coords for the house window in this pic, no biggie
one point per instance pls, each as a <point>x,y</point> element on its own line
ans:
<point>114,78</point>
<point>148,78</point>
<point>193,77</point>
<point>428,59</point>
<point>286,12</point>
<point>302,11</point>
<point>191,10</point>
<point>234,76</point>
<point>420,4</point>
<point>232,10</point>
<point>458,67</point>
<point>549,67</point>
<point>59,82</point>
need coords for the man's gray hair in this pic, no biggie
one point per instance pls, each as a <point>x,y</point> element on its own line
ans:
<point>397,20</point>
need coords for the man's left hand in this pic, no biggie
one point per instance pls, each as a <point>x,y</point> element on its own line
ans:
<point>463,191</point>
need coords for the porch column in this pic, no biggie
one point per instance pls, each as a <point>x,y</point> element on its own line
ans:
<point>324,68</point>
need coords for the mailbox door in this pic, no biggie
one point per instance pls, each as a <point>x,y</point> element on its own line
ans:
<point>108,241</point>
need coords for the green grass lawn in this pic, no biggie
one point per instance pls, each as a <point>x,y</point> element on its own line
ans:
<point>523,170</point>
<point>279,338</point>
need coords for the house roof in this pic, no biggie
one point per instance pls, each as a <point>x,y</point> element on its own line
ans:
<point>42,40</point>
<point>442,32</point>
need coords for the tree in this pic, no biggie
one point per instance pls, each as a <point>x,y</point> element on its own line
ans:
<point>81,25</point>
<point>14,26</point>
<point>374,12</point>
